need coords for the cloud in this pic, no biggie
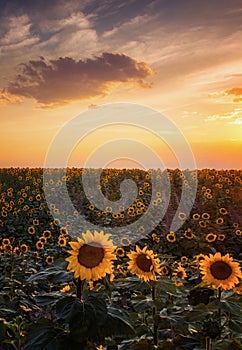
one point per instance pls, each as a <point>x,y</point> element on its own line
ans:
<point>17,34</point>
<point>6,98</point>
<point>56,82</point>
<point>232,117</point>
<point>237,121</point>
<point>236,91</point>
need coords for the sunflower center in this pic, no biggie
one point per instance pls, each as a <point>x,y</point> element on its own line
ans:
<point>144,262</point>
<point>220,270</point>
<point>90,255</point>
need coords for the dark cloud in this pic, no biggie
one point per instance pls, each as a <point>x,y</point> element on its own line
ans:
<point>64,79</point>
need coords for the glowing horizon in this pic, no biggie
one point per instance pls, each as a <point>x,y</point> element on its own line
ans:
<point>180,59</point>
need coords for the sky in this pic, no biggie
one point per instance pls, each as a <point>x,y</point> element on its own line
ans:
<point>62,59</point>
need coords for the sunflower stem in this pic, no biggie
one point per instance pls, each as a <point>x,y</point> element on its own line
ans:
<point>79,288</point>
<point>219,308</point>
<point>209,344</point>
<point>155,326</point>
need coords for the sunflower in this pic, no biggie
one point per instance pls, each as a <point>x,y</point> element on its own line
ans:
<point>24,248</point>
<point>63,231</point>
<point>49,260</point>
<point>47,234</point>
<point>223,211</point>
<point>171,237</point>
<point>5,241</point>
<point>144,263</point>
<point>31,230</point>
<point>205,216</point>
<point>7,248</point>
<point>219,221</point>
<point>189,234</point>
<point>65,289</point>
<point>221,237</point>
<point>164,271</point>
<point>238,232</point>
<point>238,288</point>
<point>120,252</point>
<point>17,251</point>
<point>62,241</point>
<point>196,216</point>
<point>39,245</point>
<point>184,259</point>
<point>35,255</point>
<point>179,272</point>
<point>202,224</point>
<point>182,216</point>
<point>125,241</point>
<point>220,271</point>
<point>199,258</point>
<point>211,237</point>
<point>91,257</point>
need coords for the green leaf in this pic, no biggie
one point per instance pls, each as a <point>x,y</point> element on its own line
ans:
<point>118,322</point>
<point>45,336</point>
<point>52,274</point>
<point>5,312</point>
<point>47,299</point>
<point>68,307</point>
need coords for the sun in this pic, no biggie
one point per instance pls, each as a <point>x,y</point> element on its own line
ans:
<point>92,256</point>
<point>144,263</point>
<point>220,271</point>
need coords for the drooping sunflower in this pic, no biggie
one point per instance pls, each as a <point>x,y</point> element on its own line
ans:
<point>144,263</point>
<point>220,271</point>
<point>91,257</point>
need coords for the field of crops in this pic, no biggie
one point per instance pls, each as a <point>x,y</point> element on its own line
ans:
<point>119,277</point>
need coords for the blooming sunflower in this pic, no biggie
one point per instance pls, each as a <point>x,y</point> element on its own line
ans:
<point>144,263</point>
<point>238,288</point>
<point>220,271</point>
<point>211,237</point>
<point>91,257</point>
<point>171,237</point>
<point>49,259</point>
<point>120,251</point>
<point>179,272</point>
<point>189,234</point>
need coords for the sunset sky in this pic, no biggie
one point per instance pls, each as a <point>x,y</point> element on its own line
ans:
<point>182,58</point>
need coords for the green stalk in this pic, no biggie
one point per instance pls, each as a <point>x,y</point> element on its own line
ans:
<point>219,308</point>
<point>155,326</point>
<point>79,287</point>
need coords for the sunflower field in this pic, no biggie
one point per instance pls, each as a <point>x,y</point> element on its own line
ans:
<point>84,277</point>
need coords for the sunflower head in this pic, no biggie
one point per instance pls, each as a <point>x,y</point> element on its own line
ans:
<point>220,271</point>
<point>91,257</point>
<point>144,263</point>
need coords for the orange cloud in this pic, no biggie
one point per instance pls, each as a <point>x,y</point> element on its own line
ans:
<point>64,79</point>
<point>237,91</point>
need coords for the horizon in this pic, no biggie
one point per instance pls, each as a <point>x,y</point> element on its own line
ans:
<point>68,59</point>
